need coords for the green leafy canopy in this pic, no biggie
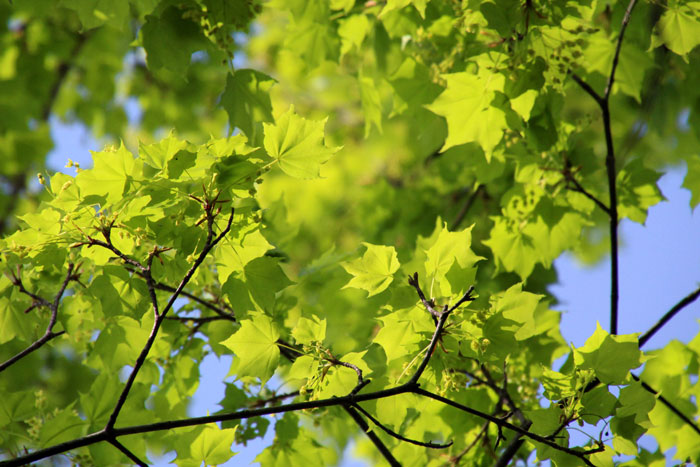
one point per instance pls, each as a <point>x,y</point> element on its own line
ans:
<point>357,203</point>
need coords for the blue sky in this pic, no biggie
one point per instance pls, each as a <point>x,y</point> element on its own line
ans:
<point>659,265</point>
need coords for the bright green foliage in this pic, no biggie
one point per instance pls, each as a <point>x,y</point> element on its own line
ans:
<point>297,145</point>
<point>466,105</point>
<point>255,345</point>
<point>610,357</point>
<point>469,139</point>
<point>375,270</point>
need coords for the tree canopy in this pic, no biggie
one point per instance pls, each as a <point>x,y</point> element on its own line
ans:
<point>361,202</point>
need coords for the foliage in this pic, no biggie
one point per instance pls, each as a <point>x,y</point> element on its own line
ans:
<point>462,144</point>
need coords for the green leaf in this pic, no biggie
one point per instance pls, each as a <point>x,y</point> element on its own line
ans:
<point>413,84</point>
<point>352,31</point>
<point>98,12</point>
<point>519,307</point>
<point>513,248</point>
<point>692,180</point>
<point>170,39</point>
<point>98,402</point>
<point>314,39</point>
<point>109,176</point>
<point>371,104</point>
<point>637,191</point>
<point>391,5</point>
<point>213,446</point>
<point>246,99</point>
<point>451,262</point>
<point>158,154</point>
<point>308,330</point>
<point>235,254</point>
<point>255,347</point>
<point>677,28</point>
<point>610,357</point>
<point>297,144</point>
<point>398,337</point>
<point>65,425</point>
<point>264,278</point>
<point>467,106</point>
<point>375,270</point>
<point>637,402</point>
<point>633,62</point>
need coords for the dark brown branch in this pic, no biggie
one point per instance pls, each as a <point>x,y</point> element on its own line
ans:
<point>350,399</point>
<point>360,381</point>
<point>393,434</point>
<point>503,395</point>
<point>206,303</point>
<point>669,314</point>
<point>618,47</point>
<point>378,443</point>
<point>442,319</point>
<point>108,245</point>
<point>586,87</point>
<point>133,457</point>
<point>353,398</point>
<point>604,104</point>
<point>504,424</point>
<point>52,306</point>
<point>274,399</point>
<point>688,421</point>
<point>429,305</point>
<point>579,188</point>
<point>465,207</point>
<point>160,317</point>
<point>456,459</point>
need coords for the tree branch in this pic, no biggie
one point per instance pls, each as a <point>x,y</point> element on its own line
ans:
<point>604,104</point>
<point>52,306</point>
<point>378,443</point>
<point>133,457</point>
<point>668,404</point>
<point>618,47</point>
<point>579,188</point>
<point>393,434</point>
<point>441,320</point>
<point>690,298</point>
<point>456,459</point>
<point>347,401</point>
<point>504,424</point>
<point>466,206</point>
<point>141,359</point>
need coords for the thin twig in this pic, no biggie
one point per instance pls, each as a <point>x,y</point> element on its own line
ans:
<point>441,320</point>
<point>52,306</point>
<point>604,104</point>
<point>668,404</point>
<point>133,457</point>
<point>579,188</point>
<point>347,401</point>
<point>456,459</point>
<point>669,314</point>
<point>141,359</point>
<point>273,399</point>
<point>393,434</point>
<point>586,87</point>
<point>378,443</point>
<point>465,207</point>
<point>504,424</point>
<point>618,47</point>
